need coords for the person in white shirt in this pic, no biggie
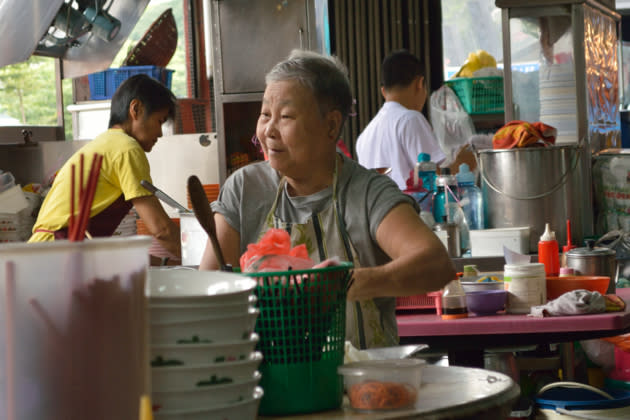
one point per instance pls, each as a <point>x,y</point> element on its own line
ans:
<point>399,132</point>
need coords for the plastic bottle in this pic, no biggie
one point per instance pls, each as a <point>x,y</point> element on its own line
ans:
<point>422,196</point>
<point>548,252</point>
<point>471,198</point>
<point>425,171</point>
<point>454,301</point>
<point>442,201</point>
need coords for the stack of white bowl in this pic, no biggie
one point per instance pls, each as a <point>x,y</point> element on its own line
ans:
<point>203,359</point>
<point>558,103</point>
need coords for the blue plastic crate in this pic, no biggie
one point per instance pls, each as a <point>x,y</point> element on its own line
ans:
<point>104,84</point>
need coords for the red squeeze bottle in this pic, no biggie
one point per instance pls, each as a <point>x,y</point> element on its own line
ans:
<point>548,252</point>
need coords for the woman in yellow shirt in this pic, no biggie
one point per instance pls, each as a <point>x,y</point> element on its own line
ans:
<point>139,107</point>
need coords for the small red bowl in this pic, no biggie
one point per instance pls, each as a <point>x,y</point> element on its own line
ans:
<point>557,286</point>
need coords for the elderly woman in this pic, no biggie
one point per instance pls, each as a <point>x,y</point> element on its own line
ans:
<point>327,201</point>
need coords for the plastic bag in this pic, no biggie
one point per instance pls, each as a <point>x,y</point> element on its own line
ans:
<point>451,124</point>
<point>274,253</point>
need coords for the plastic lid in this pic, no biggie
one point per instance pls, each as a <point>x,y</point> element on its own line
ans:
<point>464,175</point>
<point>548,234</point>
<point>369,367</point>
<point>424,157</point>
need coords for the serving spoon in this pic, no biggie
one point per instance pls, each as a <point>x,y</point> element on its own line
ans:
<point>205,216</point>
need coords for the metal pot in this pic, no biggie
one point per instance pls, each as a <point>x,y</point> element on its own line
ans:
<point>537,185</point>
<point>594,261</point>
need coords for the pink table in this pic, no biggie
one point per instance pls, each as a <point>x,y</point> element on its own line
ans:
<point>465,339</point>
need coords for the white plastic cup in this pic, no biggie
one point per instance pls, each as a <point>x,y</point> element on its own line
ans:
<point>73,329</point>
<point>526,285</point>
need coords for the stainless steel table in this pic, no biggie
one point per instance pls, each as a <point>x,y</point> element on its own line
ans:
<point>451,392</point>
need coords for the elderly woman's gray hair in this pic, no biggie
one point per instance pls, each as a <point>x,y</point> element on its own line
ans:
<point>325,75</point>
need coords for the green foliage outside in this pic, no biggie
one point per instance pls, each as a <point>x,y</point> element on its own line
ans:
<point>27,89</point>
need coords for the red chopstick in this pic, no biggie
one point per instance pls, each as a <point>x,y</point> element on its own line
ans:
<point>86,198</point>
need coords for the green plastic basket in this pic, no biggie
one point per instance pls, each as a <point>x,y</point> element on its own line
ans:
<point>302,328</point>
<point>479,95</point>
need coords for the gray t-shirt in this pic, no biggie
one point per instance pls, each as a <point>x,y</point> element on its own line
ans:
<point>365,197</point>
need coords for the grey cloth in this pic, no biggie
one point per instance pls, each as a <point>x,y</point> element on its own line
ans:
<point>575,302</point>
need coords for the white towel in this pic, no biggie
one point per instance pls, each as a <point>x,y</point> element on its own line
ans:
<point>575,302</point>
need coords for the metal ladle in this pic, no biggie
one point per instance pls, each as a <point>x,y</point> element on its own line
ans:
<point>205,216</point>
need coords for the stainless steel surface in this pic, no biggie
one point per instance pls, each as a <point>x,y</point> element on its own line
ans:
<point>163,196</point>
<point>24,23</point>
<point>594,31</point>
<point>594,261</point>
<point>534,186</point>
<point>447,392</point>
<point>36,164</point>
<point>239,69</point>
<point>395,352</point>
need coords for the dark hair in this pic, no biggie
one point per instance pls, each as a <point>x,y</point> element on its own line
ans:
<point>400,68</point>
<point>324,75</point>
<point>153,95</point>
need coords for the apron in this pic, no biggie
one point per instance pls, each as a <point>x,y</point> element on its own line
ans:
<point>325,236</point>
<point>102,224</point>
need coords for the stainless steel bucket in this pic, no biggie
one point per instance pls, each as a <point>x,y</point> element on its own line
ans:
<point>534,186</point>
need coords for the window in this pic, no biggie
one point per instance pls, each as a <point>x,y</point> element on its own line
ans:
<point>467,26</point>
<point>27,90</point>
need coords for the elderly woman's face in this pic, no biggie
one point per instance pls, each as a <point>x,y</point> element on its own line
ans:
<point>292,130</point>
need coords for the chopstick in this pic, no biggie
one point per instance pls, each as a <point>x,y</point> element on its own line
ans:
<point>77,225</point>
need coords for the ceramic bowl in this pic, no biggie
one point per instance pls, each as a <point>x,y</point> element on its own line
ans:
<point>178,378</point>
<point>209,330</point>
<point>203,354</point>
<point>186,286</point>
<point>557,286</point>
<point>364,380</point>
<point>245,410</point>
<point>206,396</point>
<point>171,312</point>
<point>486,302</point>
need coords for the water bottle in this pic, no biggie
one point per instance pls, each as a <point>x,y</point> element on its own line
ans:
<point>425,171</point>
<point>471,197</point>
<point>442,199</point>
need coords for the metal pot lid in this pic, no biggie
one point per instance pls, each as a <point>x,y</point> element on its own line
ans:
<point>590,250</point>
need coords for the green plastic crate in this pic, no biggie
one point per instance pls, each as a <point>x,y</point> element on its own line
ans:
<point>479,95</point>
<point>302,326</point>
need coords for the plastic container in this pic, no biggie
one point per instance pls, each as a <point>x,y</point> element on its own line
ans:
<point>103,84</point>
<point>527,286</point>
<point>382,385</point>
<point>471,199</point>
<point>479,95</point>
<point>73,328</point>
<point>486,302</point>
<point>490,242</point>
<point>548,252</point>
<point>302,338</point>
<point>557,286</point>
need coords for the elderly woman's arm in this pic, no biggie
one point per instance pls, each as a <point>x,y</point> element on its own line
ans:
<point>419,263</point>
<point>229,239</point>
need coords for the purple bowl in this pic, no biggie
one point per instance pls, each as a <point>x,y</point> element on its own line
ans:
<point>486,302</point>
